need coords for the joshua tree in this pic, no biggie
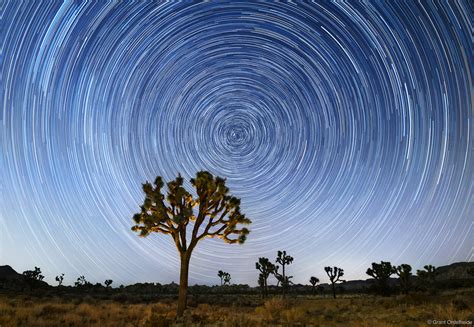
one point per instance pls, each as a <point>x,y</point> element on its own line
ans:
<point>60,279</point>
<point>283,260</point>
<point>427,276</point>
<point>428,273</point>
<point>381,272</point>
<point>227,278</point>
<point>220,274</point>
<point>33,274</point>
<point>266,268</point>
<point>108,282</point>
<point>285,281</point>
<point>81,281</point>
<point>334,275</point>
<point>261,283</point>
<point>217,215</point>
<point>404,277</point>
<point>33,277</point>
<point>224,276</point>
<point>313,280</point>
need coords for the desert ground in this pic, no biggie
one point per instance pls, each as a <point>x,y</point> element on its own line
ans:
<point>416,309</point>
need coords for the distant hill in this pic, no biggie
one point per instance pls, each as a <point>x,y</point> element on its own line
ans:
<point>458,270</point>
<point>7,272</point>
<point>11,280</point>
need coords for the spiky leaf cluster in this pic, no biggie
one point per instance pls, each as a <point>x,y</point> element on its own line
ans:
<point>283,258</point>
<point>224,276</point>
<point>404,276</point>
<point>60,279</point>
<point>217,215</point>
<point>428,274</point>
<point>313,280</point>
<point>265,267</point>
<point>381,271</point>
<point>334,274</point>
<point>33,274</point>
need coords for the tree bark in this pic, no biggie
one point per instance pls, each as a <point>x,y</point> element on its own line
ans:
<point>334,290</point>
<point>284,282</point>
<point>266,287</point>
<point>183,283</point>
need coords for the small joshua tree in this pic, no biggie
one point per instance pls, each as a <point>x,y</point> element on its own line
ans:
<point>334,275</point>
<point>283,259</point>
<point>427,276</point>
<point>227,279</point>
<point>81,281</point>
<point>261,283</point>
<point>33,274</point>
<point>284,281</point>
<point>381,272</point>
<point>313,281</point>
<point>266,268</point>
<point>217,215</point>
<point>404,277</point>
<point>220,274</point>
<point>60,279</point>
<point>33,277</point>
<point>108,282</point>
<point>224,276</point>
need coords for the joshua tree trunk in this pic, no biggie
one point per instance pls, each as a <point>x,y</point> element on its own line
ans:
<point>284,282</point>
<point>183,283</point>
<point>333,290</point>
<point>265,289</point>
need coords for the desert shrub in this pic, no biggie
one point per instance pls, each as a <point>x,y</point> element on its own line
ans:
<point>239,320</point>
<point>296,314</point>
<point>460,304</point>
<point>85,309</point>
<point>271,309</point>
<point>158,320</point>
<point>53,310</point>
<point>414,298</point>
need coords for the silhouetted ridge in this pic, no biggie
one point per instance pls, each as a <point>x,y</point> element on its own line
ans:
<point>7,272</point>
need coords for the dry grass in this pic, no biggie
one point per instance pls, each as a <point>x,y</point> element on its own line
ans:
<point>411,310</point>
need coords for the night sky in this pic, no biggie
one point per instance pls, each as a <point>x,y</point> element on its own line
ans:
<point>346,130</point>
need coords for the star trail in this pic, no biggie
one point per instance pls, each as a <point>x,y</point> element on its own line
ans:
<point>345,128</point>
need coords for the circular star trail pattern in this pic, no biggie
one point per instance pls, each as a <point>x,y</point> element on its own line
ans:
<point>346,130</point>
